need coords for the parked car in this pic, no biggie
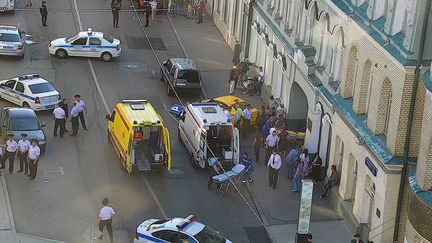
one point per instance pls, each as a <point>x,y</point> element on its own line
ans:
<point>11,40</point>
<point>23,120</point>
<point>181,74</point>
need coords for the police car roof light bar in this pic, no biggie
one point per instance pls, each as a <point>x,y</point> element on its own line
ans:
<point>29,76</point>
<point>133,101</point>
<point>204,104</point>
<point>185,222</point>
<point>89,31</point>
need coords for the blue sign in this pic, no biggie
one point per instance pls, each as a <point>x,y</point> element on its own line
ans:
<point>371,166</point>
<point>176,109</point>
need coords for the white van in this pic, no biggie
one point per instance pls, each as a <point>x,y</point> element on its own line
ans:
<point>7,5</point>
<point>208,133</point>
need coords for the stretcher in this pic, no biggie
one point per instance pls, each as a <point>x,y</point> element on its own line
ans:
<point>232,176</point>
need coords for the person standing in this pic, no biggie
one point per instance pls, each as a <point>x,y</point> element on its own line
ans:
<point>105,219</point>
<point>59,119</point>
<point>249,168</point>
<point>11,148</point>
<point>260,80</point>
<point>265,130</point>
<point>237,51</point>
<point>81,108</point>
<point>246,116</point>
<point>238,114</point>
<point>298,175</point>
<point>261,119</point>
<point>291,162</point>
<point>147,14</point>
<point>23,148</point>
<point>271,143</point>
<point>232,79</point>
<point>201,9</point>
<point>189,11</point>
<point>332,181</point>
<point>153,8</point>
<point>66,110</point>
<point>44,13</point>
<point>33,159</point>
<point>215,169</point>
<point>356,238</point>
<point>257,145</point>
<point>274,163</point>
<point>315,171</point>
<point>304,157</point>
<point>115,8</point>
<point>74,119</point>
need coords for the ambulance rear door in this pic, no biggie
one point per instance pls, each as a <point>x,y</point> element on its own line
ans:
<point>236,146</point>
<point>167,147</point>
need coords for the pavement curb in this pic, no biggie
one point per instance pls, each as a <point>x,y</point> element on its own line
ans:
<point>38,238</point>
<point>9,208</point>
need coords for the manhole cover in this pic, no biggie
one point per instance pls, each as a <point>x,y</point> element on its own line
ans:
<point>131,66</point>
<point>143,43</point>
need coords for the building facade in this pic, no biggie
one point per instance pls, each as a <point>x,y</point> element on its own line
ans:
<point>355,73</point>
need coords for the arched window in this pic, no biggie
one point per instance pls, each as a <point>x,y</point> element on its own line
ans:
<point>350,72</point>
<point>322,39</point>
<point>337,53</point>
<point>400,17</point>
<point>384,108</point>
<point>362,96</point>
<point>380,8</point>
<point>310,22</point>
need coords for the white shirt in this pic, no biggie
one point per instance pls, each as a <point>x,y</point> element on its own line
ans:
<point>275,161</point>
<point>80,105</point>
<point>11,146</point>
<point>33,152</point>
<point>106,213</point>
<point>75,111</point>
<point>24,145</point>
<point>271,140</point>
<point>59,113</point>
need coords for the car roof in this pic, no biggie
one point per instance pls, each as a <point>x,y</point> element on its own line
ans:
<point>192,228</point>
<point>21,112</point>
<point>146,114</point>
<point>205,118</point>
<point>9,29</point>
<point>93,34</point>
<point>184,63</point>
<point>29,79</point>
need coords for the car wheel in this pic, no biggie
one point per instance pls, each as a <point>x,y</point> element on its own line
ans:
<point>21,57</point>
<point>170,91</point>
<point>61,53</point>
<point>106,56</point>
<point>26,105</point>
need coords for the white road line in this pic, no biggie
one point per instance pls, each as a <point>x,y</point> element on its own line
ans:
<point>96,82</point>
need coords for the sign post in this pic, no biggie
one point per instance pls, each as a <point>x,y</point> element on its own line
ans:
<point>304,211</point>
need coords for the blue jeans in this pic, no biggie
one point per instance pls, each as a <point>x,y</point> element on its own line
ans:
<point>297,184</point>
<point>248,174</point>
<point>291,170</point>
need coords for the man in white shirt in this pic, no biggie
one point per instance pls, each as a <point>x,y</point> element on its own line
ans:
<point>23,148</point>
<point>81,108</point>
<point>274,164</point>
<point>74,114</point>
<point>11,148</point>
<point>247,116</point>
<point>105,218</point>
<point>33,158</point>
<point>59,119</point>
<point>271,142</point>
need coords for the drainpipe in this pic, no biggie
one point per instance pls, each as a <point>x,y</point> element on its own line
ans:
<point>411,116</point>
<point>212,10</point>
<point>249,26</point>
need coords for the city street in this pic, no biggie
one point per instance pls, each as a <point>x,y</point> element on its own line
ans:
<point>76,173</point>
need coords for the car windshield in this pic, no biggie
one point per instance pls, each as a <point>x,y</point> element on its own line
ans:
<point>109,39</point>
<point>70,38</point>
<point>6,37</point>
<point>209,235</point>
<point>191,76</point>
<point>41,88</point>
<point>24,124</point>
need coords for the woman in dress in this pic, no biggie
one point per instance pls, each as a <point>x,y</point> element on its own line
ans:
<point>316,169</point>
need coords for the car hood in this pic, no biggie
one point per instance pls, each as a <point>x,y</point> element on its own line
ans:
<point>59,41</point>
<point>35,134</point>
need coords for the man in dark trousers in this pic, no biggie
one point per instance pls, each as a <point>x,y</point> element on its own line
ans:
<point>201,9</point>
<point>10,152</point>
<point>115,7</point>
<point>59,119</point>
<point>81,108</point>
<point>44,13</point>
<point>74,119</point>
<point>147,14</point>
<point>237,51</point>
<point>33,159</point>
<point>66,109</point>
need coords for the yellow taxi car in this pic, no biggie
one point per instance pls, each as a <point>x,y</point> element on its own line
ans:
<point>229,101</point>
<point>139,136</point>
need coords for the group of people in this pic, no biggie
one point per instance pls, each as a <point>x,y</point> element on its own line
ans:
<point>61,114</point>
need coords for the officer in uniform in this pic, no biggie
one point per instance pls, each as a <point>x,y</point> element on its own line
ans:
<point>59,119</point>
<point>11,148</point>
<point>115,7</point>
<point>74,119</point>
<point>44,13</point>
<point>81,108</point>
<point>147,14</point>
<point>23,148</point>
<point>33,158</point>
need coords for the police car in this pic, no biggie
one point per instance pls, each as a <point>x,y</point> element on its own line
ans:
<point>30,91</point>
<point>177,230</point>
<point>86,44</point>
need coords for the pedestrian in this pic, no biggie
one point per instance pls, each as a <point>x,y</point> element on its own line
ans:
<point>11,148</point>
<point>81,108</point>
<point>153,5</point>
<point>115,8</point>
<point>315,171</point>
<point>262,118</point>
<point>309,238</point>
<point>229,115</point>
<point>33,159</point>
<point>304,157</point>
<point>291,162</point>
<point>201,9</point>
<point>44,13</point>
<point>59,120</point>
<point>74,119</point>
<point>274,163</point>
<point>23,148</point>
<point>215,169</point>
<point>189,11</point>
<point>244,69</point>
<point>283,142</point>
<point>66,110</point>
<point>271,143</point>
<point>257,145</point>
<point>249,168</point>
<point>232,79</point>
<point>147,14</point>
<point>332,181</point>
<point>280,110</point>
<point>238,114</point>
<point>298,176</point>
<point>356,238</point>
<point>237,51</point>
<point>246,116</point>
<point>105,219</point>
<point>265,130</point>
<point>260,80</point>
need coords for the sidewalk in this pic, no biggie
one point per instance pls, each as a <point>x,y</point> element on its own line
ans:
<point>278,208</point>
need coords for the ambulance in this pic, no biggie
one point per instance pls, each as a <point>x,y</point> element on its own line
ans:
<point>139,136</point>
<point>208,135</point>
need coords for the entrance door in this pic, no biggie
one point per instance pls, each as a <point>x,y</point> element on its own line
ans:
<point>368,205</point>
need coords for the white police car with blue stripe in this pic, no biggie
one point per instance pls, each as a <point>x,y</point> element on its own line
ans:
<point>177,230</point>
<point>30,91</point>
<point>86,44</point>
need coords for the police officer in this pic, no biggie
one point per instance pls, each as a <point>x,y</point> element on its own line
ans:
<point>44,13</point>
<point>33,158</point>
<point>147,14</point>
<point>74,119</point>
<point>11,148</point>
<point>81,108</point>
<point>23,148</point>
<point>59,119</point>
<point>115,7</point>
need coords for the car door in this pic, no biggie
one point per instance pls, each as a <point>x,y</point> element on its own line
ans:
<point>94,45</point>
<point>7,91</point>
<point>78,47</point>
<point>19,94</point>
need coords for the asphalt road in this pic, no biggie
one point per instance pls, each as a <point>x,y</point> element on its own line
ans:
<point>77,172</point>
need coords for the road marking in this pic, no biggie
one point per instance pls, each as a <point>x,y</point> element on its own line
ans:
<point>96,82</point>
<point>60,170</point>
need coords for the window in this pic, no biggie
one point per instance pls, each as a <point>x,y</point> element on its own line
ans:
<point>19,87</point>
<point>173,236</point>
<point>191,76</point>
<point>9,37</point>
<point>109,39</point>
<point>41,88</point>
<point>80,42</point>
<point>24,124</point>
<point>10,84</point>
<point>93,41</point>
<point>209,235</point>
